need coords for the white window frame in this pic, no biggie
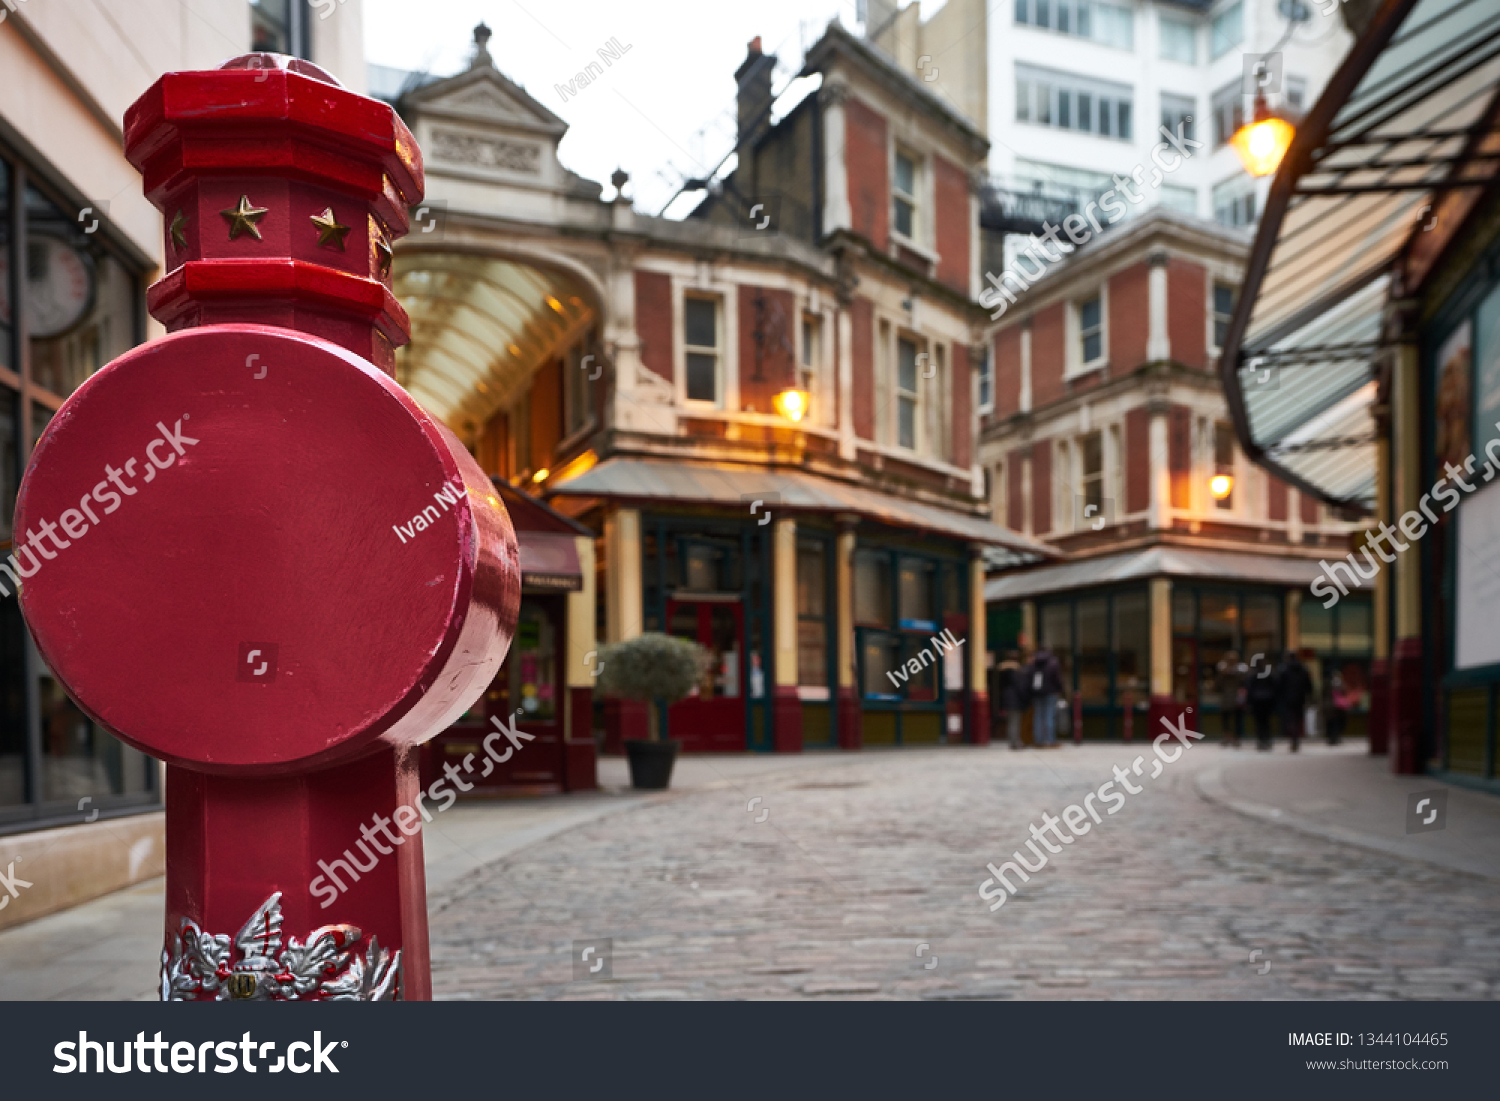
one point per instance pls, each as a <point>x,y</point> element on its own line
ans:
<point>1214,282</point>
<point>918,176</point>
<point>1074,362</point>
<point>1213,24</point>
<point>1162,20</point>
<point>899,395</point>
<point>985,374</point>
<point>718,351</point>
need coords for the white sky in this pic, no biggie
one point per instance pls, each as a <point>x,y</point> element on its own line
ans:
<point>646,112</point>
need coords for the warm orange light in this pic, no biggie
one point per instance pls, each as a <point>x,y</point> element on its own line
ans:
<point>791,403</point>
<point>541,475</point>
<point>1221,485</point>
<point>1262,142</point>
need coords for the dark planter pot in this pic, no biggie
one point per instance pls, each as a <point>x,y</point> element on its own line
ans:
<point>651,763</point>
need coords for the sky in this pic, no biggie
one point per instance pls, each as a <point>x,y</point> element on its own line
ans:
<point>663,111</point>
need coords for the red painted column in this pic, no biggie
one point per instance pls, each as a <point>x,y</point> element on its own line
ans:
<point>786,715</point>
<point>1405,707</point>
<point>250,596</point>
<point>851,735</point>
<point>979,718</point>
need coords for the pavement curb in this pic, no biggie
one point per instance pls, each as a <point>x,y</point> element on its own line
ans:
<point>1211,786</point>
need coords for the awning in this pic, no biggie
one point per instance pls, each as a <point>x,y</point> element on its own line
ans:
<point>795,491</point>
<point>1141,565</point>
<point>549,562</point>
<point>1404,128</point>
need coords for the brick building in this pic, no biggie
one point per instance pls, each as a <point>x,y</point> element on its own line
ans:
<point>1104,437</point>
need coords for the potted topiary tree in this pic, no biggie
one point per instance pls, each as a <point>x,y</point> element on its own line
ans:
<point>661,670</point>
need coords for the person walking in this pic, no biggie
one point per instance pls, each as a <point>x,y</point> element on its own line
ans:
<point>1293,686</point>
<point>1260,692</point>
<point>1231,683</point>
<point>1044,682</point>
<point>1010,695</point>
<point>1339,704</point>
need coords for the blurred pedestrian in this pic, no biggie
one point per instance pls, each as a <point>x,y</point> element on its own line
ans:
<point>1293,686</point>
<point>1340,701</point>
<point>1010,695</point>
<point>1231,682</point>
<point>1044,682</point>
<point>1260,692</point>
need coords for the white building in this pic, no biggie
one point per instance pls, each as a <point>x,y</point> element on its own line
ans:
<point>1071,92</point>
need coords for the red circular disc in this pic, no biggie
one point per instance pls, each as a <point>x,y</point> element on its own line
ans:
<point>250,550</point>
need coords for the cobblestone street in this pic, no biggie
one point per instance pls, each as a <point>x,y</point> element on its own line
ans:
<point>862,881</point>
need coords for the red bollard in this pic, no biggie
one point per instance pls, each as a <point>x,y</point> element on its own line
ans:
<point>226,589</point>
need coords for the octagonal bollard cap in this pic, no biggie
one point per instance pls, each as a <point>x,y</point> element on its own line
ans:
<point>246,550</point>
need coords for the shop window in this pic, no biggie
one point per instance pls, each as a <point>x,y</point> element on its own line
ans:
<point>1262,634</point>
<point>953,589</point>
<point>1218,634</point>
<point>1056,631</point>
<point>916,595</point>
<point>906,393</point>
<point>1224,459</point>
<point>1468,723</point>
<point>812,613</point>
<point>702,354</point>
<point>1132,643</point>
<point>880,654</point>
<point>1184,612</point>
<point>533,665</point>
<point>921,684</point>
<point>1315,626</point>
<point>709,568</point>
<point>1223,311</point>
<point>1356,627</point>
<point>280,27</point>
<point>872,589</point>
<point>1179,41</point>
<point>1093,651</point>
<point>904,195</point>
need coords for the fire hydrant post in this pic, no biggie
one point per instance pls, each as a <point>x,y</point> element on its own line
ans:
<point>217,576</point>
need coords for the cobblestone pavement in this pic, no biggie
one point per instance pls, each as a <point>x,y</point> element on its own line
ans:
<point>862,882</point>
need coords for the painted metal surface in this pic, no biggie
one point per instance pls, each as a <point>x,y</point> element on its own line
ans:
<point>254,556</point>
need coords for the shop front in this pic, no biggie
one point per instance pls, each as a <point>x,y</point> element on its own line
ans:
<point>1374,285</point>
<point>542,691</point>
<point>834,616</point>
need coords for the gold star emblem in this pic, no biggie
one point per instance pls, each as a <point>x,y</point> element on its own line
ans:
<point>243,218</point>
<point>329,230</point>
<point>384,255</point>
<point>179,225</point>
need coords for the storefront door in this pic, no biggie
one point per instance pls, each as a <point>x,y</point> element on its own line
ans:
<point>712,719</point>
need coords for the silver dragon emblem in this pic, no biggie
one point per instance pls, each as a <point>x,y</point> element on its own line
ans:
<point>196,965</point>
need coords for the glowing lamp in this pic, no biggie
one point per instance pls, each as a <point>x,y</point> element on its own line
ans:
<point>1220,485</point>
<point>1262,142</point>
<point>541,475</point>
<point>791,403</point>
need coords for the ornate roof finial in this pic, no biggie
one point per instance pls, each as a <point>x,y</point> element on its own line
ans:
<point>481,48</point>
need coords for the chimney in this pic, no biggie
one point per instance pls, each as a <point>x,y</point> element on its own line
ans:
<point>754,80</point>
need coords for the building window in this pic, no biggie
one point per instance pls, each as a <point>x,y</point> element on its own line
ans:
<point>1073,102</point>
<point>1228,108</point>
<point>872,588</point>
<point>1091,475</point>
<point>906,393</point>
<point>1296,92</point>
<point>1108,24</point>
<point>1227,30</point>
<point>904,195</point>
<point>915,594</point>
<point>986,380</point>
<point>281,27</point>
<point>1224,459</point>
<point>1182,199</point>
<point>578,390</point>
<point>811,352</point>
<point>700,333</point>
<point>1178,111</point>
<point>1223,309</point>
<point>1091,330</point>
<point>1234,201</point>
<point>1179,41</point>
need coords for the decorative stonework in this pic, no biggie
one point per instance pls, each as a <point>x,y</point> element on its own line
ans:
<point>196,966</point>
<point>480,151</point>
